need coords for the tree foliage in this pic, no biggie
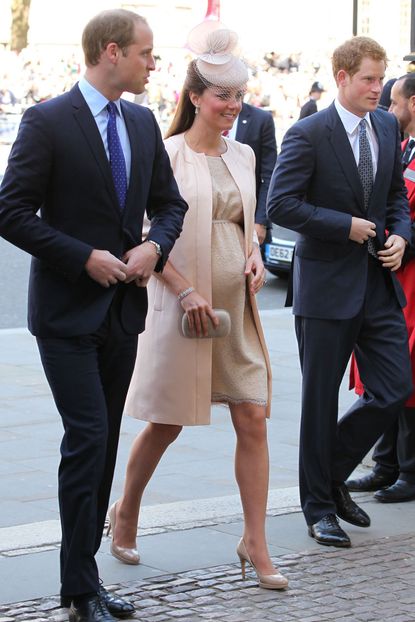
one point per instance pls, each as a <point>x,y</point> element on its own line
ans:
<point>20,24</point>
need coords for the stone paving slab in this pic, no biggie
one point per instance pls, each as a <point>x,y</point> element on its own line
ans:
<point>370,583</point>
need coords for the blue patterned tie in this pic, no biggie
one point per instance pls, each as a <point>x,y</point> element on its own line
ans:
<point>117,160</point>
<point>365,168</point>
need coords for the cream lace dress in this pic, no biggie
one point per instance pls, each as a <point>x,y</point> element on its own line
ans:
<point>238,366</point>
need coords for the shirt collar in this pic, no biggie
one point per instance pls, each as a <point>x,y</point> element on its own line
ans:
<point>349,119</point>
<point>95,100</point>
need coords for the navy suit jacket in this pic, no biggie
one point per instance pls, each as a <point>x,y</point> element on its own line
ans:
<point>256,128</point>
<point>58,167</point>
<point>315,190</point>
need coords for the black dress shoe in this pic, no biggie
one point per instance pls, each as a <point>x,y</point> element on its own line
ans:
<point>400,491</point>
<point>117,606</point>
<point>90,609</point>
<point>371,482</point>
<point>347,509</point>
<point>328,531</point>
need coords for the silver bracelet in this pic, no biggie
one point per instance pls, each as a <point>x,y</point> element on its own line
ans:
<point>185,293</point>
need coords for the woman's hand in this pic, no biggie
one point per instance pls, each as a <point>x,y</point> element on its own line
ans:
<point>255,266</point>
<point>198,311</point>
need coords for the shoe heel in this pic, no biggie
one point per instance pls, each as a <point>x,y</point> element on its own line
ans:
<point>243,562</point>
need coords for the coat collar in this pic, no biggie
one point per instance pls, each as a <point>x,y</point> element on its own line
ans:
<point>244,120</point>
<point>232,159</point>
<point>138,166</point>
<point>344,154</point>
<point>341,146</point>
<point>89,128</point>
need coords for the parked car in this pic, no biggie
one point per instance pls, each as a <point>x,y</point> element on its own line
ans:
<point>278,252</point>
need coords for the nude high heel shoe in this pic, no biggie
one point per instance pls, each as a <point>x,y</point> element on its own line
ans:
<point>275,581</point>
<point>122,553</point>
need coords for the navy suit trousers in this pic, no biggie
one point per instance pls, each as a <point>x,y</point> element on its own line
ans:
<point>89,377</point>
<point>330,450</point>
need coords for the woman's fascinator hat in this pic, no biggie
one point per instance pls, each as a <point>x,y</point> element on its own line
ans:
<point>216,62</point>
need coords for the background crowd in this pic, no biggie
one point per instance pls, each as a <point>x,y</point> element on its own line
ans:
<point>277,82</point>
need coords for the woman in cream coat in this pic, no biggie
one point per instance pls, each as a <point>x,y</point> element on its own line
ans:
<point>215,263</point>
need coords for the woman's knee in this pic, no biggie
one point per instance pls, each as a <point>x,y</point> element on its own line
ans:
<point>250,422</point>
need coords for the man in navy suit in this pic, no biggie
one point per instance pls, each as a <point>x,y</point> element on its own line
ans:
<point>338,183</point>
<point>255,127</point>
<point>91,165</point>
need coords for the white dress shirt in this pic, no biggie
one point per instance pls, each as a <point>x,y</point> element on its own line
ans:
<point>97,104</point>
<point>351,125</point>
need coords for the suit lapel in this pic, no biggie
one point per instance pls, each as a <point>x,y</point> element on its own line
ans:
<point>384,148</point>
<point>137,165</point>
<point>91,133</point>
<point>344,153</point>
<point>243,123</point>
<point>239,172</point>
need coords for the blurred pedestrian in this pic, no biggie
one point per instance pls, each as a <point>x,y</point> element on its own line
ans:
<point>385,98</point>
<point>338,183</point>
<point>310,107</point>
<point>91,165</point>
<point>216,264</point>
<point>393,475</point>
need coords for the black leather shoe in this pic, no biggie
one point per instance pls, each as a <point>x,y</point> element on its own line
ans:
<point>400,491</point>
<point>90,609</point>
<point>347,509</point>
<point>118,607</point>
<point>328,531</point>
<point>371,482</point>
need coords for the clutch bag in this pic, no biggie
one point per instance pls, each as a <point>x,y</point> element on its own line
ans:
<point>222,330</point>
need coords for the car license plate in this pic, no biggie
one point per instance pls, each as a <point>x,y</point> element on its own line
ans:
<point>278,253</point>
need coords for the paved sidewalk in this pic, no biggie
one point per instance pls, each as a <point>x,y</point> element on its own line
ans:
<point>191,519</point>
<point>374,582</point>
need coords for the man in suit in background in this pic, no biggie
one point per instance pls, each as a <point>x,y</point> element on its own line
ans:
<point>310,107</point>
<point>255,127</point>
<point>338,182</point>
<point>92,165</point>
<point>393,476</point>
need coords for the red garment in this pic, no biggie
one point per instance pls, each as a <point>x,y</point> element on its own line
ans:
<point>406,276</point>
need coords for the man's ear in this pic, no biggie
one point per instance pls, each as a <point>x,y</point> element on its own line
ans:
<point>112,52</point>
<point>342,77</point>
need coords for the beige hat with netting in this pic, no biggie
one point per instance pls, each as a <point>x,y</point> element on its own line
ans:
<point>216,63</point>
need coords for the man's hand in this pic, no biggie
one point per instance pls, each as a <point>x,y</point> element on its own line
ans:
<point>105,268</point>
<point>361,230</point>
<point>141,261</point>
<point>261,232</point>
<point>391,257</point>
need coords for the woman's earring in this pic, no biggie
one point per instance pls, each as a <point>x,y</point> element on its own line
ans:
<point>196,109</point>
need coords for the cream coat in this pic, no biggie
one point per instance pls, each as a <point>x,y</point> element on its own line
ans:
<point>172,377</point>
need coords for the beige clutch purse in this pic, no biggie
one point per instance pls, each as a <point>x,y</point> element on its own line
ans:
<point>222,330</point>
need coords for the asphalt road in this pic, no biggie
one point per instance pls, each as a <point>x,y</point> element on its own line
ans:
<point>14,275</point>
